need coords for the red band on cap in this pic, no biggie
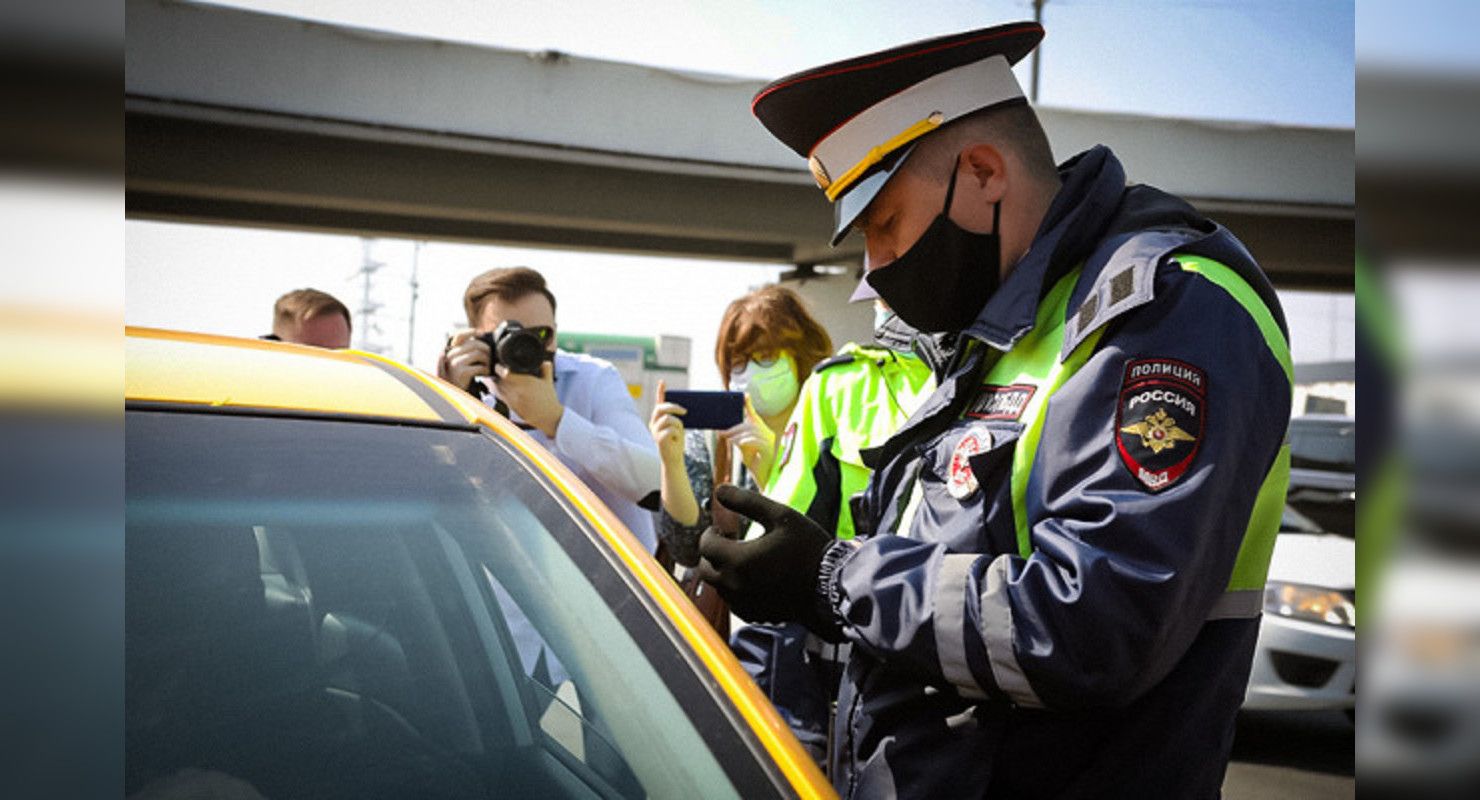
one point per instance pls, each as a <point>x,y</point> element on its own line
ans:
<point>899,57</point>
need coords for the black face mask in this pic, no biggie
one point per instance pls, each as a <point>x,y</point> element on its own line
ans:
<point>941,283</point>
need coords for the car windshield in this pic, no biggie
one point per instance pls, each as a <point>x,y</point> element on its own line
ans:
<point>336,609</point>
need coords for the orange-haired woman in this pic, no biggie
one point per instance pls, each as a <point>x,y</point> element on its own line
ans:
<point>767,345</point>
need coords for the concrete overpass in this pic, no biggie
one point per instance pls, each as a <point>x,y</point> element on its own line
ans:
<point>243,118</point>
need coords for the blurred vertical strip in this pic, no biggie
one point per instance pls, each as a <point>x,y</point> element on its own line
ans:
<point>61,376</point>
<point>1418,187</point>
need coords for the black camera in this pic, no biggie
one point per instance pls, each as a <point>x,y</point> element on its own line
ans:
<point>520,349</point>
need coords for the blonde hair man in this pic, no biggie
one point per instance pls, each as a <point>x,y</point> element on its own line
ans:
<point>312,317</point>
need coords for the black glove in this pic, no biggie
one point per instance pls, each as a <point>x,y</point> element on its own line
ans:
<point>773,578</point>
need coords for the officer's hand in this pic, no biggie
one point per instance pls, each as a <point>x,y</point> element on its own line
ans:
<point>465,358</point>
<point>772,578</point>
<point>666,426</point>
<point>757,443</point>
<point>531,397</point>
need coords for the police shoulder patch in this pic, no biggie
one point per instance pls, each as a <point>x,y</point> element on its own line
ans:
<point>1160,419</point>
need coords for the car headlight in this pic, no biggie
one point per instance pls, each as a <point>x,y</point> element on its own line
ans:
<point>1435,645</point>
<point>1310,603</point>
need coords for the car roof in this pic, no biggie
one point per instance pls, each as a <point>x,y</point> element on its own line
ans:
<point>229,375</point>
<point>226,373</point>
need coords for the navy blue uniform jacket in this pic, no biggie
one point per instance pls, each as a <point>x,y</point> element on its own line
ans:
<point>1099,666</point>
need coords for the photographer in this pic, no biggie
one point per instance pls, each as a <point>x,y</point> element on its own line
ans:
<point>575,405</point>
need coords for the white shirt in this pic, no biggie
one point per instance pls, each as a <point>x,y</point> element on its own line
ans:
<point>603,440</point>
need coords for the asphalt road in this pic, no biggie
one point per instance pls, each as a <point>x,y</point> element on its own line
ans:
<point>1292,756</point>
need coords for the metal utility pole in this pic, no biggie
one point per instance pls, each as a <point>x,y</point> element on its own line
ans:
<point>411,317</point>
<point>368,267</point>
<point>1038,51</point>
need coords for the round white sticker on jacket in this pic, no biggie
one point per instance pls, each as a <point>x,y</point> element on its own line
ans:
<point>962,481</point>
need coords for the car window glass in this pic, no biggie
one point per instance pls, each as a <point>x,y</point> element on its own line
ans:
<point>336,610</point>
<point>1323,444</point>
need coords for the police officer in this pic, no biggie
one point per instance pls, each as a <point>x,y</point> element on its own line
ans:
<point>1056,584</point>
<point>852,402</point>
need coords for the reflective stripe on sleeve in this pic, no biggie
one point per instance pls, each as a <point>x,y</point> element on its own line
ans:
<point>996,630</point>
<point>950,623</point>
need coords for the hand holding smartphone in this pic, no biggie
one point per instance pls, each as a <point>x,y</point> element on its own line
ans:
<point>709,410</point>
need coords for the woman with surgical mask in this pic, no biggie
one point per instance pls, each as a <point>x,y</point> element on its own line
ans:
<point>767,344</point>
<point>771,386</point>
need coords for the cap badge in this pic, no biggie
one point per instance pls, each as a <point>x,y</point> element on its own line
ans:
<point>819,173</point>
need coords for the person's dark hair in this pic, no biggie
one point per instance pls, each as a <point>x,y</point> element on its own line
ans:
<point>1014,127</point>
<point>766,321</point>
<point>509,284</point>
<point>301,305</point>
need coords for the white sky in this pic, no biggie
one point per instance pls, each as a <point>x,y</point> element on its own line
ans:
<point>42,218</point>
<point>1435,306</point>
<point>1322,325</point>
<point>1292,63</point>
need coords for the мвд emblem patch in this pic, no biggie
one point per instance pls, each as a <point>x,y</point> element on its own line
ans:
<point>1160,419</point>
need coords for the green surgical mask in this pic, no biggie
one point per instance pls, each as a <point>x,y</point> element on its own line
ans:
<point>771,385</point>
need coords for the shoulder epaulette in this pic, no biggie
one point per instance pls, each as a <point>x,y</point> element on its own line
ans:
<point>845,358</point>
<point>1127,281</point>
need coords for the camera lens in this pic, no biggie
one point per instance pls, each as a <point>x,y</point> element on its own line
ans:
<point>518,349</point>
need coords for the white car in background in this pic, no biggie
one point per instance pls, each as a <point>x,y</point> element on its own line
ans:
<point>1420,726</point>
<point>1306,658</point>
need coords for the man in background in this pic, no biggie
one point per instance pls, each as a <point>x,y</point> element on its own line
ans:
<point>311,317</point>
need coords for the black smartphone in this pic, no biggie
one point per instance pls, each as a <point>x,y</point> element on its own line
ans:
<point>709,410</point>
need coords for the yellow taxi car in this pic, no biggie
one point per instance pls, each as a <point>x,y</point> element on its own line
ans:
<point>345,578</point>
